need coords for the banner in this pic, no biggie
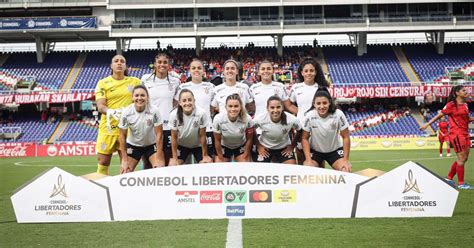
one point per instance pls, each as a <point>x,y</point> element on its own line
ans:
<point>393,143</point>
<point>234,190</point>
<point>410,190</point>
<point>48,23</point>
<point>87,149</point>
<point>393,91</point>
<point>35,150</point>
<point>337,92</point>
<point>9,150</point>
<point>45,97</point>
<point>58,196</point>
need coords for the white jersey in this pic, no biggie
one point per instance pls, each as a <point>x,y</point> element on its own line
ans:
<point>275,135</point>
<point>303,94</point>
<point>140,125</point>
<point>222,91</point>
<point>188,131</point>
<point>232,133</point>
<point>203,95</point>
<point>162,92</point>
<point>325,132</point>
<point>261,92</point>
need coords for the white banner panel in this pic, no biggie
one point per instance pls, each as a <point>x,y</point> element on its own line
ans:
<point>58,196</point>
<point>410,190</point>
<point>234,190</point>
<point>221,190</point>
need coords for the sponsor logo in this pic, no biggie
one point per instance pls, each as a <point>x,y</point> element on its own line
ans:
<point>411,184</point>
<point>414,202</point>
<point>212,196</point>
<point>31,24</point>
<point>16,151</point>
<point>420,143</point>
<point>188,196</point>
<point>235,211</point>
<point>63,23</point>
<point>52,151</point>
<point>58,207</point>
<point>284,196</point>
<point>235,196</point>
<point>386,144</point>
<point>59,189</point>
<point>260,196</point>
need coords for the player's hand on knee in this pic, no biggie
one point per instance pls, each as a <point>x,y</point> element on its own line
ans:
<point>347,167</point>
<point>173,162</point>
<point>220,159</point>
<point>262,151</point>
<point>124,168</point>
<point>206,159</point>
<point>310,162</point>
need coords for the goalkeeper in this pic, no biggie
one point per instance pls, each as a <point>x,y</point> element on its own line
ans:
<point>112,94</point>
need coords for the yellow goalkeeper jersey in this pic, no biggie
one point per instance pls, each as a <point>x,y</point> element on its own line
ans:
<point>118,94</point>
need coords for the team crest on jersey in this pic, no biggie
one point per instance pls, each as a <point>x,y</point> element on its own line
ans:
<point>206,90</point>
<point>306,123</point>
<point>284,130</point>
<point>333,126</point>
<point>130,88</point>
<point>149,122</point>
<point>170,87</point>
<point>276,92</point>
<point>241,129</point>
<point>195,124</point>
<point>103,146</point>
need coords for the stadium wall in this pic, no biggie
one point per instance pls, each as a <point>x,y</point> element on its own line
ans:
<point>23,149</point>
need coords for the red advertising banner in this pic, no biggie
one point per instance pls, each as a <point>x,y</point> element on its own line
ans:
<point>87,149</point>
<point>337,92</point>
<point>34,150</point>
<point>51,98</point>
<point>393,91</point>
<point>8,150</point>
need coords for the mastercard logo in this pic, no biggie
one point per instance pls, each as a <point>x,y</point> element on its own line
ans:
<point>260,195</point>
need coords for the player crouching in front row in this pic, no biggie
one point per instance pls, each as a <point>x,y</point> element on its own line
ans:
<point>324,123</point>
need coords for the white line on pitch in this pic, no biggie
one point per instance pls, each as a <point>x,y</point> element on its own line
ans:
<point>397,160</point>
<point>45,164</point>
<point>234,234</point>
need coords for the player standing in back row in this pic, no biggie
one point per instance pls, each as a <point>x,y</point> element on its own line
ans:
<point>162,88</point>
<point>203,94</point>
<point>112,94</point>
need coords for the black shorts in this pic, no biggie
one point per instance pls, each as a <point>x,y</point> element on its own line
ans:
<point>228,152</point>
<point>331,157</point>
<point>211,151</point>
<point>166,140</point>
<point>184,152</point>
<point>275,155</point>
<point>137,152</point>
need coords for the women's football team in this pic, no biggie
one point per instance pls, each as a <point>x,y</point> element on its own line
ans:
<point>162,122</point>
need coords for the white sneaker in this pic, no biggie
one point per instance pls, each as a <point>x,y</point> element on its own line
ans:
<point>448,155</point>
<point>441,155</point>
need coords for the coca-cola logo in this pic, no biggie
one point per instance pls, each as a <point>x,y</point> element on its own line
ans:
<point>213,196</point>
<point>16,151</point>
<point>52,151</point>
